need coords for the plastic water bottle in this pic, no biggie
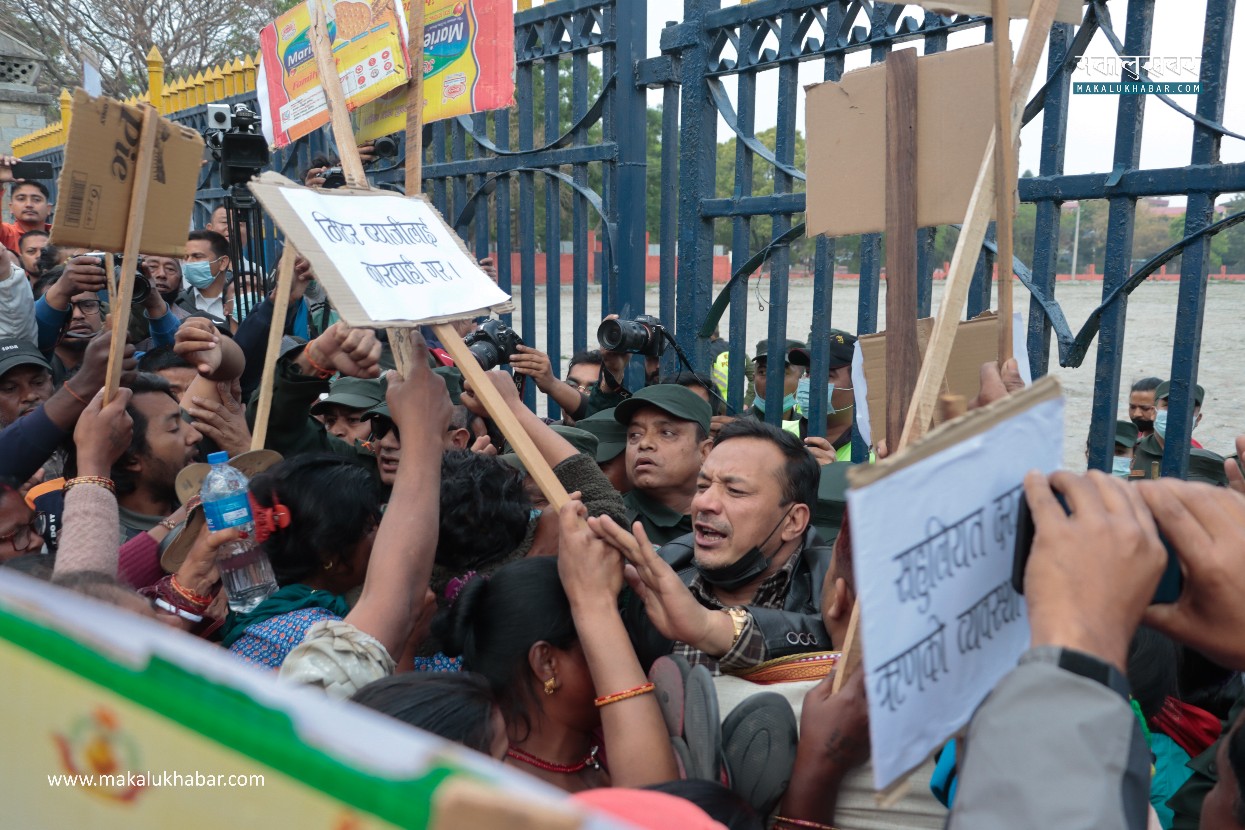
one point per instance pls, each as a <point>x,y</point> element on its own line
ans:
<point>244,567</point>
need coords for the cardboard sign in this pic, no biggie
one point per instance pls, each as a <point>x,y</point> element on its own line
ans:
<point>369,48</point>
<point>846,129</point>
<point>940,622</point>
<point>1068,11</point>
<point>97,181</point>
<point>385,260</point>
<point>468,65</point>
<point>117,722</point>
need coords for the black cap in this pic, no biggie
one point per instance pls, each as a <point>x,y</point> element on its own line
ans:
<point>842,347</point>
<point>14,353</point>
<point>788,345</point>
<point>678,401</point>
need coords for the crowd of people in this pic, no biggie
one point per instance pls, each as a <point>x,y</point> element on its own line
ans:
<point>674,629</point>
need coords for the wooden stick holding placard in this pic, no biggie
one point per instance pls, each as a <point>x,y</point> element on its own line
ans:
<point>280,306</point>
<point>1004,173</point>
<point>133,238</point>
<point>347,150</point>
<point>903,356</point>
<point>973,233</point>
<point>110,276</point>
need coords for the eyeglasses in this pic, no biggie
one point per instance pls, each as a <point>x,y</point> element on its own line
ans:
<point>584,388</point>
<point>85,306</point>
<point>20,538</point>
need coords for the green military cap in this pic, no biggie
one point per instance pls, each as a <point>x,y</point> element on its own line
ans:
<point>582,440</point>
<point>678,401</point>
<point>788,345</point>
<point>1207,467</point>
<point>453,382</point>
<point>1126,433</point>
<point>831,501</point>
<point>1164,390</point>
<point>353,393</point>
<point>611,435</point>
<point>842,347</point>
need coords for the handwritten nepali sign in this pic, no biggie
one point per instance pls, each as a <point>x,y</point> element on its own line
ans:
<point>385,260</point>
<point>933,536</point>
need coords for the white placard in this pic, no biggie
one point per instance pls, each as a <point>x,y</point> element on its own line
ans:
<point>384,259</point>
<point>933,545</point>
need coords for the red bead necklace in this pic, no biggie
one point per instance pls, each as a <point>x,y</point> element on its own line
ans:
<point>590,760</point>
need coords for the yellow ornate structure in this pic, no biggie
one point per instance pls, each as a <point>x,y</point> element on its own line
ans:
<point>168,95</point>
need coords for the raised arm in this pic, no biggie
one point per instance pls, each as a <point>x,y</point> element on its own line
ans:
<point>592,575</point>
<point>406,543</point>
<point>553,447</point>
<point>91,534</point>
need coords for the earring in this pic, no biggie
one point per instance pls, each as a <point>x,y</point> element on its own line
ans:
<point>328,566</point>
<point>549,685</point>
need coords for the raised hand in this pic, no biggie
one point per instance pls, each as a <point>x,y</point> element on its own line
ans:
<point>103,433</point>
<point>352,352</point>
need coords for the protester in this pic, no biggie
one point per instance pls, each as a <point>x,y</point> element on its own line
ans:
<point>29,246</point>
<point>343,408</point>
<point>29,202</point>
<point>745,587</point>
<point>667,440</point>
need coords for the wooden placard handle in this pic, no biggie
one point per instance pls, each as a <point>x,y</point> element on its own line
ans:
<point>129,260</point>
<point>535,464</point>
<point>1004,173</point>
<point>280,306</point>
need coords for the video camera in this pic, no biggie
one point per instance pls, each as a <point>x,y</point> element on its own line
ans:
<point>236,142</point>
<point>644,335</point>
<point>493,344</point>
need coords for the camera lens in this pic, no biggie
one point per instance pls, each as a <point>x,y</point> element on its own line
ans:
<point>486,354</point>
<point>610,335</point>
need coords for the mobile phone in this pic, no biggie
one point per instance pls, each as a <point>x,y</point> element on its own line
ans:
<point>32,170</point>
<point>1169,587</point>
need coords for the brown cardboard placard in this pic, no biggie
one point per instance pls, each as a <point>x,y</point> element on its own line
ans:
<point>976,343</point>
<point>846,135</point>
<point>1068,11</point>
<point>97,181</point>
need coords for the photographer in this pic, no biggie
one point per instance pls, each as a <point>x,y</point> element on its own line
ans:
<point>610,390</point>
<point>569,394</point>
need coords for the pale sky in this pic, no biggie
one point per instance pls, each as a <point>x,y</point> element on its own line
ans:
<point>1167,135</point>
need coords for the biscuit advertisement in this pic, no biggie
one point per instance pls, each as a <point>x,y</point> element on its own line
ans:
<point>369,46</point>
<point>468,66</point>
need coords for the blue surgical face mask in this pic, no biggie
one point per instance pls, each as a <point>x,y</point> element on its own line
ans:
<point>1160,423</point>
<point>198,274</point>
<point>1121,465</point>
<point>788,401</point>
<point>802,398</point>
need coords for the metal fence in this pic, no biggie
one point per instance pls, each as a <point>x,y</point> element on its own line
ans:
<point>568,165</point>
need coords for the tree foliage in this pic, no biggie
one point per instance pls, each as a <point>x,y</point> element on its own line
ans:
<point>192,35</point>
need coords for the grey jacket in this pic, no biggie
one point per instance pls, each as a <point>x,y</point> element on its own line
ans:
<point>17,308</point>
<point>1055,744</point>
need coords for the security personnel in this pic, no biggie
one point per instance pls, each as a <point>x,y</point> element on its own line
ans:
<point>667,440</point>
<point>840,395</point>
<point>791,379</point>
<point>1148,454</point>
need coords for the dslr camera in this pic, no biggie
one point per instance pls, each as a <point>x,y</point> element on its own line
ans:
<point>644,335</point>
<point>333,178</point>
<point>142,287</point>
<point>493,344</point>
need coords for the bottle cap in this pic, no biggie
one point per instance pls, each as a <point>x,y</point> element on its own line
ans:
<point>218,458</point>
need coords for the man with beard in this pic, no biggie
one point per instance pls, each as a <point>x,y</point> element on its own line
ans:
<point>745,586</point>
<point>163,442</point>
<point>1141,405</point>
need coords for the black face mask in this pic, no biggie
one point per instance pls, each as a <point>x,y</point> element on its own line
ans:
<point>743,570</point>
<point>1143,424</point>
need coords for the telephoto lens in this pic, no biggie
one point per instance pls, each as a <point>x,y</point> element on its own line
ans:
<point>644,335</point>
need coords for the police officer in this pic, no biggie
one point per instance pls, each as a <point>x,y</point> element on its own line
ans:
<point>667,440</point>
